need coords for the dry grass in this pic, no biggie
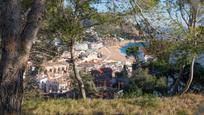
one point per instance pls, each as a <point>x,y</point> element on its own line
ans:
<point>177,105</point>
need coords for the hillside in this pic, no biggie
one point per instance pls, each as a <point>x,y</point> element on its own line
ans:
<point>177,105</point>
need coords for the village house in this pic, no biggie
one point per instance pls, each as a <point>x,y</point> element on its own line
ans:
<point>105,77</point>
<point>81,46</point>
<point>102,77</point>
<point>54,77</point>
<point>96,45</point>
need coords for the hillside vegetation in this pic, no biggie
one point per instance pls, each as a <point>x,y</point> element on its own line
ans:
<point>177,105</point>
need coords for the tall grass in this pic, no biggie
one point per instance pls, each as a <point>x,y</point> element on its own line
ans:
<point>181,105</point>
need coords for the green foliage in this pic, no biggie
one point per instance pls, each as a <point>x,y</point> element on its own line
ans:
<point>65,22</point>
<point>161,84</point>
<point>132,51</point>
<point>187,45</point>
<point>142,82</point>
<point>162,68</point>
<point>107,23</point>
<point>68,22</point>
<point>162,49</point>
<point>146,5</point>
<point>88,83</point>
<point>132,92</point>
<point>191,45</point>
<point>198,73</point>
<point>31,88</point>
<point>87,80</point>
<point>202,3</point>
<point>66,26</point>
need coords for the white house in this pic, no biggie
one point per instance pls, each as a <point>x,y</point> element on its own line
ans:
<point>81,46</point>
<point>91,56</point>
<point>54,77</point>
<point>97,45</point>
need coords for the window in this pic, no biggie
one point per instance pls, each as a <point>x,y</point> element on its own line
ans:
<point>45,72</point>
<point>59,69</point>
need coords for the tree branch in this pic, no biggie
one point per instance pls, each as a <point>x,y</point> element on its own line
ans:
<point>181,3</point>
<point>150,28</point>
<point>31,28</point>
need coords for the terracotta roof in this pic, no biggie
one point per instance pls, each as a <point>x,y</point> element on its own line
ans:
<point>55,63</point>
<point>146,51</point>
<point>89,63</point>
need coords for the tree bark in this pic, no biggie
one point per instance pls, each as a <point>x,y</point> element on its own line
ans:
<point>190,78</point>
<point>175,86</point>
<point>16,44</point>
<point>76,71</point>
<point>194,8</point>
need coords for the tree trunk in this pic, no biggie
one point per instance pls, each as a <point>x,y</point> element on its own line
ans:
<point>76,71</point>
<point>194,8</point>
<point>16,44</point>
<point>191,77</point>
<point>175,86</point>
<point>11,85</point>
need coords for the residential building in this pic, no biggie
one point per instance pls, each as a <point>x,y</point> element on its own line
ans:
<point>54,77</point>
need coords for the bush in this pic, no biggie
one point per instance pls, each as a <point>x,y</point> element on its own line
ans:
<point>142,83</point>
<point>198,73</point>
<point>161,84</point>
<point>31,88</point>
<point>132,92</point>
<point>88,83</point>
<point>87,80</point>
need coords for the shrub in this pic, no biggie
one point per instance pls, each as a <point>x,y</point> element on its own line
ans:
<point>87,80</point>
<point>142,82</point>
<point>31,88</point>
